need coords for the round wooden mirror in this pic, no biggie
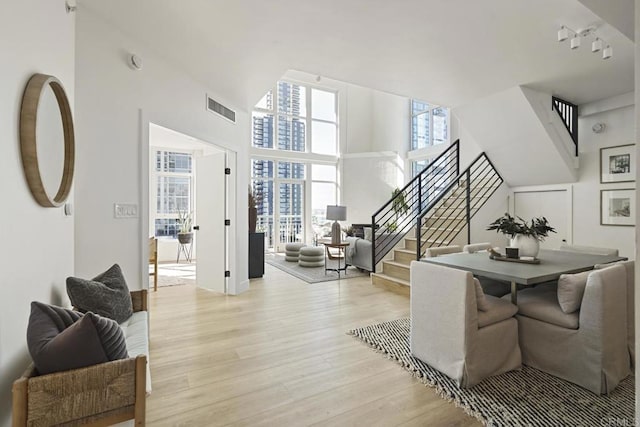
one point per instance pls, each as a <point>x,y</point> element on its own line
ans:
<point>47,142</point>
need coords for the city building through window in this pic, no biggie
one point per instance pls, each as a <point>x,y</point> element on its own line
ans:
<point>301,121</point>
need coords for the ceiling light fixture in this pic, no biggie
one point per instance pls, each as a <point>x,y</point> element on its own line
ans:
<point>597,45</point>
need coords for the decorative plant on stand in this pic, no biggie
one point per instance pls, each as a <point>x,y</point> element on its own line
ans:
<point>253,211</point>
<point>399,206</point>
<point>524,236</point>
<point>185,220</point>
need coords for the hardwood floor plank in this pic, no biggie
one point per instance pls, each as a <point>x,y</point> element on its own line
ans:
<point>279,355</point>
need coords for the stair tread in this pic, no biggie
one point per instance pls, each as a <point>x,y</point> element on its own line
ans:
<point>392,279</point>
<point>395,264</point>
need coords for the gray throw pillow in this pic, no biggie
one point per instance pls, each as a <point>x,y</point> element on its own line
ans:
<point>59,339</point>
<point>571,290</point>
<point>106,294</point>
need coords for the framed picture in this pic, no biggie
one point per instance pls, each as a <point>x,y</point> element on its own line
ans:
<point>618,164</point>
<point>618,207</point>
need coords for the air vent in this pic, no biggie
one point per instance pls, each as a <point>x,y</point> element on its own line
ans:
<point>215,107</point>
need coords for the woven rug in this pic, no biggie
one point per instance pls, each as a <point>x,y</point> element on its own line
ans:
<point>519,398</point>
<point>313,274</point>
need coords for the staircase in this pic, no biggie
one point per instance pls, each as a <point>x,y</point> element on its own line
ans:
<point>440,204</point>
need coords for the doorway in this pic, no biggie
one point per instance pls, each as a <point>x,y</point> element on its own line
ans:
<point>188,201</point>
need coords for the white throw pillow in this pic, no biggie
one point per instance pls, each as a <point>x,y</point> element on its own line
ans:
<point>571,290</point>
<point>368,231</point>
<point>481,300</point>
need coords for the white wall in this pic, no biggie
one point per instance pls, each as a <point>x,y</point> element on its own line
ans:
<point>586,192</point>
<point>114,104</point>
<point>36,36</point>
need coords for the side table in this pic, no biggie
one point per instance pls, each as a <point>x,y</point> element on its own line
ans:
<point>342,247</point>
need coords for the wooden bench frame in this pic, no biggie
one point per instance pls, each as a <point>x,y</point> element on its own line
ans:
<point>98,395</point>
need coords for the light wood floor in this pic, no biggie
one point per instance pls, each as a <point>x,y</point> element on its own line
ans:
<point>278,355</point>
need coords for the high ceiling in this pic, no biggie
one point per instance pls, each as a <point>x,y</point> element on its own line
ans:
<point>443,51</point>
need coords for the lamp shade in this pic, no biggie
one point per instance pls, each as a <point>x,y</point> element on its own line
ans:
<point>336,213</point>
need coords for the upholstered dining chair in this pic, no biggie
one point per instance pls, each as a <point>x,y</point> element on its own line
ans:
<point>442,250</point>
<point>476,247</point>
<point>589,249</point>
<point>458,330</point>
<point>153,260</point>
<point>581,338</point>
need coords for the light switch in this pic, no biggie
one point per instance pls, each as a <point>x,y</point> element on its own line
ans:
<point>125,210</point>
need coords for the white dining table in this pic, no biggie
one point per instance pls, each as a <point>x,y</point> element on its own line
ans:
<point>552,264</point>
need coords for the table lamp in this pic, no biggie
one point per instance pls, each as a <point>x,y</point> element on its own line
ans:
<point>336,213</point>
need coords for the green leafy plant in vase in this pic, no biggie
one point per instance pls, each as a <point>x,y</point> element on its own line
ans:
<point>526,236</point>
<point>185,220</point>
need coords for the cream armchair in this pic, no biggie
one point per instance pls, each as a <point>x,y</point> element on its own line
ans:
<point>449,333</point>
<point>587,347</point>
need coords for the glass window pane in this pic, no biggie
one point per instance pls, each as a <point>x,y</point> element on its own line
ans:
<point>176,162</point>
<point>158,161</point>
<point>261,168</point>
<point>418,107</point>
<point>322,194</point>
<point>262,130</point>
<point>417,167</point>
<point>440,129</point>
<point>420,131</point>
<point>323,105</point>
<point>166,227</point>
<point>292,99</point>
<point>291,134</point>
<point>266,103</point>
<point>291,212</point>
<point>323,173</point>
<point>291,170</point>
<point>174,194</point>
<point>324,138</point>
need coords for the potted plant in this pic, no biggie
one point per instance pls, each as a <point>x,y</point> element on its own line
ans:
<point>524,236</point>
<point>399,206</point>
<point>253,211</point>
<point>185,236</point>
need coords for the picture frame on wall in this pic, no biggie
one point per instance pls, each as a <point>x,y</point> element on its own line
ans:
<point>618,164</point>
<point>618,207</point>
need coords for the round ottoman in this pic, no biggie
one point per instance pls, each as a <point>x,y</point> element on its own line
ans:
<point>292,250</point>
<point>311,256</point>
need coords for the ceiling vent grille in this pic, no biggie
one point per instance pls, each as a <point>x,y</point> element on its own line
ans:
<point>217,108</point>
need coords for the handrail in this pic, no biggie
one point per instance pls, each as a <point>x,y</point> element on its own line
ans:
<point>481,168</point>
<point>455,144</point>
<point>391,223</point>
<point>568,113</point>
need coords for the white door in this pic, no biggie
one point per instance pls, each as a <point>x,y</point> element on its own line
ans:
<point>210,216</point>
<point>553,205</point>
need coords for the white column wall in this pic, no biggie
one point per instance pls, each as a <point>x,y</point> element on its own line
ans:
<point>36,36</point>
<point>115,104</point>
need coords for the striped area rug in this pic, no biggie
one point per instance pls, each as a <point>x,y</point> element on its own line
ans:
<point>520,398</point>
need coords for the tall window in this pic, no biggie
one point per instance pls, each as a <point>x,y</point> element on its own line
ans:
<point>302,120</point>
<point>282,120</point>
<point>174,177</point>
<point>429,125</point>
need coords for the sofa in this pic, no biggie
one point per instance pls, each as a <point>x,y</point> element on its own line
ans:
<point>358,253</point>
<point>103,394</point>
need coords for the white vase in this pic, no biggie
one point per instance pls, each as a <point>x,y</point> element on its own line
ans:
<point>527,245</point>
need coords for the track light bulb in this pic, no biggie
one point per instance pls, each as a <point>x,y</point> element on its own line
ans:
<point>563,34</point>
<point>596,46</point>
<point>575,42</point>
<point>607,53</point>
